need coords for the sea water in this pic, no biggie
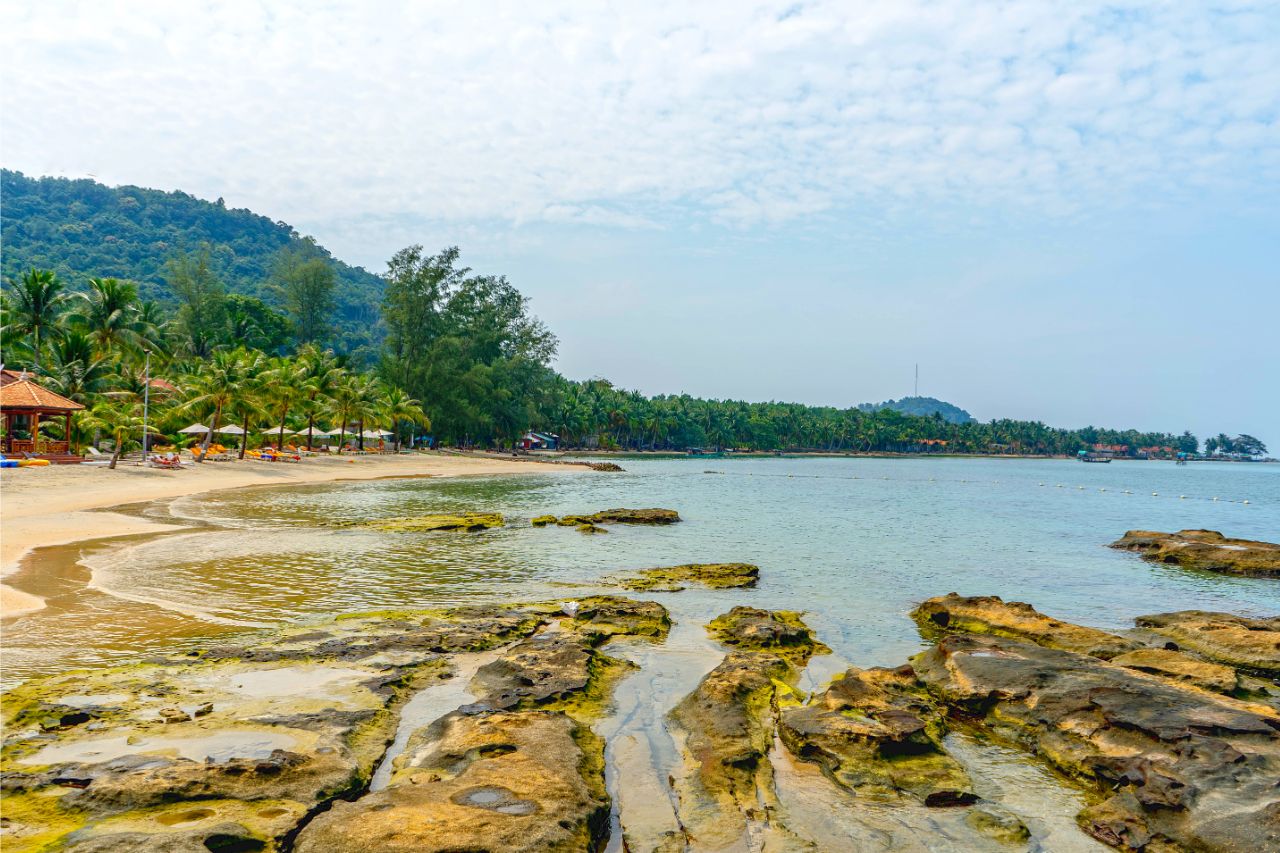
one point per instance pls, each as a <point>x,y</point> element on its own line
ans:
<point>854,542</point>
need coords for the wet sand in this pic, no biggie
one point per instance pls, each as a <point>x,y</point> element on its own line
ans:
<point>63,504</point>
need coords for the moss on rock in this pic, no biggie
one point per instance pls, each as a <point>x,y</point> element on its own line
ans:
<point>471,522</point>
<point>1205,549</point>
<point>712,575</point>
<point>781,632</point>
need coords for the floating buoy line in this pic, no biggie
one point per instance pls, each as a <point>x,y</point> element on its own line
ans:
<point>1100,489</point>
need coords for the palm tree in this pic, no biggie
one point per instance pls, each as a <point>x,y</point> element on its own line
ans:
<point>109,313</point>
<point>320,375</point>
<point>215,386</point>
<point>36,306</point>
<point>77,371</point>
<point>122,420</point>
<point>283,389</point>
<point>395,406</point>
<point>249,402</point>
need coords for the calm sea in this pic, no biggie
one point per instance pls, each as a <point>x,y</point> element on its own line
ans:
<point>854,542</point>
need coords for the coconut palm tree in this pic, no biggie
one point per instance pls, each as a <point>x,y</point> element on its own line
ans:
<point>395,407</point>
<point>215,387</point>
<point>122,419</point>
<point>36,307</point>
<point>283,389</point>
<point>109,314</point>
<point>76,371</point>
<point>320,376</point>
<point>250,401</point>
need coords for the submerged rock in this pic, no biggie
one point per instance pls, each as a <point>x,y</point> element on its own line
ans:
<point>605,466</point>
<point>1179,768</point>
<point>676,578</point>
<point>542,520</point>
<point>1000,824</point>
<point>623,516</point>
<point>779,631</point>
<point>989,614</point>
<point>1239,641</point>
<point>589,528</point>
<point>471,522</point>
<point>497,781</point>
<point>1205,549</point>
<point>599,617</point>
<point>878,732</point>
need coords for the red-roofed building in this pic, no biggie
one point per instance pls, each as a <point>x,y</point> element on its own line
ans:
<point>23,404</point>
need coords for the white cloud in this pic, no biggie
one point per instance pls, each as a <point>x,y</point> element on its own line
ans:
<point>330,115</point>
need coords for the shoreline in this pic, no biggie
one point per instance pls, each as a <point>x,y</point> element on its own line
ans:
<point>64,505</point>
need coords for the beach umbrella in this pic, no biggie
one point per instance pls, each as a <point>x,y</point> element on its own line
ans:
<point>195,429</point>
<point>276,431</point>
<point>370,434</point>
<point>230,429</point>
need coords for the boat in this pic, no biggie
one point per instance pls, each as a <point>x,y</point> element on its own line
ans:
<point>1085,456</point>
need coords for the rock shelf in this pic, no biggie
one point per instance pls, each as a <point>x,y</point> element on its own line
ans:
<point>1205,549</point>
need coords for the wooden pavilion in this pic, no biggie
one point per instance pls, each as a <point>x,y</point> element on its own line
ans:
<point>23,404</point>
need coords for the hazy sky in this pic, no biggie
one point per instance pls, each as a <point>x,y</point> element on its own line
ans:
<point>1064,211</point>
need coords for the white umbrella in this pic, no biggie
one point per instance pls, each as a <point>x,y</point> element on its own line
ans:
<point>276,431</point>
<point>230,430</point>
<point>195,429</point>
<point>370,434</point>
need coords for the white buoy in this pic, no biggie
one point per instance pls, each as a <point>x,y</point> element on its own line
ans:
<point>1182,497</point>
<point>1244,502</point>
<point>1042,484</point>
<point>1127,492</point>
<point>1155,494</point>
<point>1081,488</point>
<point>1102,490</point>
<point>1215,498</point>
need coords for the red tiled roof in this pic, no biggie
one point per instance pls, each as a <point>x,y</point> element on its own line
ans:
<point>25,394</point>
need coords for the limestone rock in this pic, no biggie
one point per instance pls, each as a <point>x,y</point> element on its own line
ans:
<point>1177,666</point>
<point>998,823</point>
<point>676,578</point>
<point>497,781</point>
<point>470,522</point>
<point>600,617</point>
<point>781,632</point>
<point>878,733</point>
<point>989,614</point>
<point>624,516</point>
<point>1205,549</point>
<point>727,729</point>
<point>1180,768</point>
<point>534,672</point>
<point>1239,641</point>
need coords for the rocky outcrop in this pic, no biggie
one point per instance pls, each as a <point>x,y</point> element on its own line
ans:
<point>781,632</point>
<point>499,781</point>
<point>991,615</point>
<point>471,522</point>
<point>623,516</point>
<point>1238,641</point>
<point>727,727</point>
<point>599,617</point>
<point>230,746</point>
<point>605,466</point>
<point>878,733</point>
<point>1178,768</point>
<point>1177,666</point>
<point>677,578</point>
<point>1205,549</point>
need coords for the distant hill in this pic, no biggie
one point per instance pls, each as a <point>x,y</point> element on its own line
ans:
<point>82,229</point>
<point>923,407</point>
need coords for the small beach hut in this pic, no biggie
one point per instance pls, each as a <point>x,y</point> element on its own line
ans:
<point>24,402</point>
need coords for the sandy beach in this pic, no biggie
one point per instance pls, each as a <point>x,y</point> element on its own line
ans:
<point>62,504</point>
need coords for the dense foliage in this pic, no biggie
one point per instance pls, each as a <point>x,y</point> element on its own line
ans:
<point>925,407</point>
<point>80,229</point>
<point>254,324</point>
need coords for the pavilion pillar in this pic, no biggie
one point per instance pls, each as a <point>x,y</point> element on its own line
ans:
<point>35,432</point>
<point>66,433</point>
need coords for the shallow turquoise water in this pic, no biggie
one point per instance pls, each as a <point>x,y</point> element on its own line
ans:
<point>854,541</point>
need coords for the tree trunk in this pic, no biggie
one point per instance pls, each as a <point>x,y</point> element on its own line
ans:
<point>280,442</point>
<point>360,439</point>
<point>115,454</point>
<point>311,425</point>
<point>244,439</point>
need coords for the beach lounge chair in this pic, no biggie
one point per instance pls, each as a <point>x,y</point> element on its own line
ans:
<point>167,461</point>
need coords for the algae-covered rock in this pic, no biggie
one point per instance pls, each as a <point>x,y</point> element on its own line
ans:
<point>225,748</point>
<point>600,617</point>
<point>1179,768</point>
<point>624,516</point>
<point>605,466</point>
<point>726,725</point>
<point>878,733</point>
<point>1177,666</point>
<point>1205,549</point>
<point>497,781</point>
<point>589,528</point>
<point>1239,641</point>
<point>542,520</point>
<point>989,614</point>
<point>471,522</point>
<point>997,823</point>
<point>782,632</point>
<point>676,578</point>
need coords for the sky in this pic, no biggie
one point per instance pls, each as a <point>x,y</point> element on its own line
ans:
<point>1067,212</point>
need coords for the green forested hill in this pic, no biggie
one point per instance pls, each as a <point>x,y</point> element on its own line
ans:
<point>82,229</point>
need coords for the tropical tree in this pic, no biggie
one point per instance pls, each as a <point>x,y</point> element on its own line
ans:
<point>76,370</point>
<point>252,392</point>
<point>395,407</point>
<point>214,388</point>
<point>123,420</point>
<point>283,390</point>
<point>109,314</point>
<point>36,306</point>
